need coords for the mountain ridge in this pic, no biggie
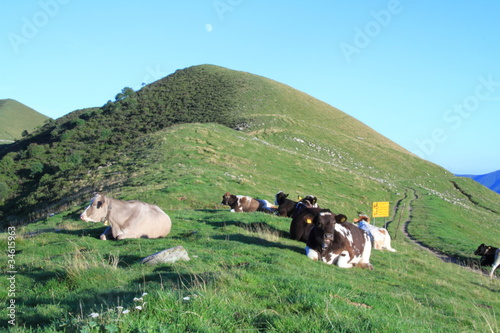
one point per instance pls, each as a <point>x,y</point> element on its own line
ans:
<point>490,180</point>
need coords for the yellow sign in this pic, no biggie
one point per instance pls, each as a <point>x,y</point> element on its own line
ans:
<point>380,209</point>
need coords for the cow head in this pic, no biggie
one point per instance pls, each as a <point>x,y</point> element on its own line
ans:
<point>228,199</point>
<point>97,210</point>
<point>310,201</point>
<point>280,197</point>
<point>362,217</point>
<point>482,250</point>
<point>324,227</point>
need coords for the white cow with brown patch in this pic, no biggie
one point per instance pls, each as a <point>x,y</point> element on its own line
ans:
<point>244,203</point>
<point>127,219</point>
<point>381,240</point>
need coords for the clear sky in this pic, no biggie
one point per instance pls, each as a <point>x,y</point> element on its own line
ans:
<point>425,74</point>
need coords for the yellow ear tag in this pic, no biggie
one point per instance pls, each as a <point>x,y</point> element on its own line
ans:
<point>309,221</point>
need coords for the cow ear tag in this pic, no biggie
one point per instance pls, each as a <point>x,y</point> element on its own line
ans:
<point>309,221</point>
<point>343,220</point>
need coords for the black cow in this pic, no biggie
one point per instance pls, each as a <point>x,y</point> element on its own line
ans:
<point>287,207</point>
<point>489,256</point>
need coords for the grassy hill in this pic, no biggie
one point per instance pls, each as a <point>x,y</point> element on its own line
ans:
<point>15,118</point>
<point>174,143</point>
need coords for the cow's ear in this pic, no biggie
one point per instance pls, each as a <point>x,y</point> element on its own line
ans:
<point>286,195</point>
<point>341,218</point>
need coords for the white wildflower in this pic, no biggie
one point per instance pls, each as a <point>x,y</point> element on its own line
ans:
<point>137,299</point>
<point>144,294</point>
<point>94,315</point>
<point>138,307</point>
<point>125,311</point>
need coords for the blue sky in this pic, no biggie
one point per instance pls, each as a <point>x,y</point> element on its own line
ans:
<point>425,74</point>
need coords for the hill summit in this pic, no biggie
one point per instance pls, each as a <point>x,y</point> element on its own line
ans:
<point>15,118</point>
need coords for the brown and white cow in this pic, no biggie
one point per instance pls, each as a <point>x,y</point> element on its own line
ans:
<point>337,242</point>
<point>127,219</point>
<point>489,256</point>
<point>243,203</point>
<point>381,240</point>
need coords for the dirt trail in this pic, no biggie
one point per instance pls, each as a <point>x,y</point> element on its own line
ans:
<point>404,207</point>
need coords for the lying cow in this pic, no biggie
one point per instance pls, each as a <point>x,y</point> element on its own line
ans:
<point>241,203</point>
<point>127,219</point>
<point>302,222</point>
<point>489,256</point>
<point>381,240</point>
<point>287,207</point>
<point>337,242</point>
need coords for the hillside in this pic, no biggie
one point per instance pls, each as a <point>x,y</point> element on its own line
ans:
<point>181,143</point>
<point>286,140</point>
<point>490,180</point>
<point>15,118</point>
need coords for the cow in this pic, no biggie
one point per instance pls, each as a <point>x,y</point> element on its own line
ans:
<point>287,207</point>
<point>127,219</point>
<point>302,222</point>
<point>241,203</point>
<point>380,238</point>
<point>489,256</point>
<point>337,242</point>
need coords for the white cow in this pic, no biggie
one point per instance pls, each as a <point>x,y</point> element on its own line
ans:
<point>127,219</point>
<point>381,240</point>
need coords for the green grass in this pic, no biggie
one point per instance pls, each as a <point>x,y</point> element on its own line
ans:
<point>244,274</point>
<point>15,118</point>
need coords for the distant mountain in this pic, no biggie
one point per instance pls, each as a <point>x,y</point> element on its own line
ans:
<point>490,180</point>
<point>15,118</point>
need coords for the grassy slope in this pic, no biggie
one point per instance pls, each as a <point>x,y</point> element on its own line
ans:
<point>261,280</point>
<point>16,117</point>
<point>244,274</point>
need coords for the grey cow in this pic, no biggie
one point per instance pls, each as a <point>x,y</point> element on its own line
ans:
<point>127,219</point>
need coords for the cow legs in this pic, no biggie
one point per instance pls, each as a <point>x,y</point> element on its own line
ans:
<point>343,260</point>
<point>106,233</point>
<point>312,254</point>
